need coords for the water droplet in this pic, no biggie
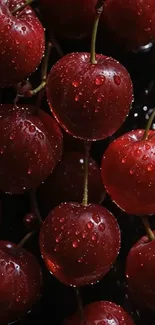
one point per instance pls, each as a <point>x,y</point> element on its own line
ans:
<point>99,80</point>
<point>10,268</point>
<point>77,98</point>
<point>99,99</point>
<point>138,151</point>
<point>96,109</point>
<point>80,260</point>
<point>117,80</point>
<point>3,263</point>
<point>24,29</point>
<point>56,249</point>
<point>123,160</point>
<point>12,136</point>
<point>29,43</point>
<point>32,128</point>
<point>147,146</point>
<point>90,225</point>
<point>62,220</point>
<point>84,235</point>
<point>8,27</point>
<point>145,157</point>
<point>17,42</point>
<point>2,151</point>
<point>96,218</point>
<point>18,299</point>
<point>58,238</point>
<point>101,227</point>
<point>29,171</point>
<point>62,227</point>
<point>150,167</point>
<point>75,243</point>
<point>132,171</point>
<point>94,237</point>
<point>75,84</point>
<point>77,232</point>
<point>40,135</point>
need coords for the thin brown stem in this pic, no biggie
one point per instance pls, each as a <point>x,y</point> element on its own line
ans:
<point>148,229</point>
<point>99,9</point>
<point>25,239</point>
<point>80,306</point>
<point>86,167</point>
<point>34,206</point>
<point>22,7</point>
<point>148,126</point>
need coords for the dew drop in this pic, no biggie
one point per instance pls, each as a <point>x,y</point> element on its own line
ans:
<point>84,235</point>
<point>80,260</point>
<point>77,232</point>
<point>147,146</point>
<point>58,238</point>
<point>96,110</point>
<point>90,225</point>
<point>24,29</point>
<point>29,171</point>
<point>32,128</point>
<point>62,220</point>
<point>18,299</point>
<point>96,218</point>
<point>99,99</point>
<point>101,227</point>
<point>123,160</point>
<point>132,171</point>
<point>150,167</point>
<point>3,263</point>
<point>77,98</point>
<point>2,151</point>
<point>17,42</point>
<point>29,43</point>
<point>99,80</point>
<point>117,80</point>
<point>56,249</point>
<point>94,237</point>
<point>41,136</point>
<point>145,157</point>
<point>75,84</point>
<point>12,136</point>
<point>10,268</point>
<point>75,243</point>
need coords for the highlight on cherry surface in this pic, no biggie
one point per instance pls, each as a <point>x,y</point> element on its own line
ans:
<point>21,280</point>
<point>90,101</point>
<point>30,147</point>
<point>74,237</point>
<point>101,313</point>
<point>66,182</point>
<point>128,172</point>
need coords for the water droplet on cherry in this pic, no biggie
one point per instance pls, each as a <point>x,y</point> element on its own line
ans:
<point>10,268</point>
<point>62,220</point>
<point>58,238</point>
<point>94,237</point>
<point>150,167</point>
<point>75,244</point>
<point>77,98</point>
<point>101,227</point>
<point>123,160</point>
<point>90,225</point>
<point>32,128</point>
<point>117,80</point>
<point>99,80</point>
<point>75,84</point>
<point>96,218</point>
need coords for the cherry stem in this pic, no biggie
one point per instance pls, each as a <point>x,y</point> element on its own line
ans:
<point>20,8</point>
<point>98,9</point>
<point>79,305</point>
<point>86,164</point>
<point>148,229</point>
<point>148,126</point>
<point>104,194</point>
<point>43,70</point>
<point>25,239</point>
<point>34,206</point>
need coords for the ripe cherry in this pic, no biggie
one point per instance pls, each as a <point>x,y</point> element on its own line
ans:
<point>22,43</point>
<point>74,237</point>
<point>69,19</point>
<point>33,145</point>
<point>102,313</point>
<point>131,21</point>
<point>128,172</point>
<point>66,182</point>
<point>140,270</point>
<point>90,101</point>
<point>20,284</point>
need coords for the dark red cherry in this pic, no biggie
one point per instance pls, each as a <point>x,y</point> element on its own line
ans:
<point>69,19</point>
<point>30,147</point>
<point>140,271</point>
<point>20,284</point>
<point>66,182</point>
<point>30,221</point>
<point>90,101</point>
<point>128,172</point>
<point>79,244</point>
<point>102,313</point>
<point>22,42</point>
<point>131,21</point>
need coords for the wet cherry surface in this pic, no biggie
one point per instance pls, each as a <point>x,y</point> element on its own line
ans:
<point>102,313</point>
<point>74,237</point>
<point>140,270</point>
<point>20,284</point>
<point>90,101</point>
<point>67,181</point>
<point>21,43</point>
<point>33,145</point>
<point>132,187</point>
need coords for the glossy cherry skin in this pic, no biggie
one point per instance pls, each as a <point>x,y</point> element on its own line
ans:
<point>21,43</point>
<point>102,313</point>
<point>90,101</point>
<point>132,21</point>
<point>140,270</point>
<point>69,19</point>
<point>66,183</point>
<point>128,172</point>
<point>20,284</point>
<point>30,147</point>
<point>74,237</point>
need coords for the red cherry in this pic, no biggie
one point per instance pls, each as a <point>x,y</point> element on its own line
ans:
<point>128,172</point>
<point>22,43</point>
<point>102,313</point>
<point>20,283</point>
<point>30,221</point>
<point>30,147</point>
<point>90,101</point>
<point>69,19</point>
<point>66,182</point>
<point>79,244</point>
<point>140,270</point>
<point>132,21</point>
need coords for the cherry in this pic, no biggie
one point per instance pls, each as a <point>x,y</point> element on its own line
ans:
<point>90,101</point>
<point>66,182</point>
<point>128,172</point>
<point>102,313</point>
<point>30,221</point>
<point>132,21</point>
<point>21,279</point>
<point>73,239</point>
<point>22,42</point>
<point>140,270</point>
<point>69,19</point>
<point>30,147</point>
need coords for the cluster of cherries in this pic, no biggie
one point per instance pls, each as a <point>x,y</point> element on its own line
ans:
<point>90,96</point>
